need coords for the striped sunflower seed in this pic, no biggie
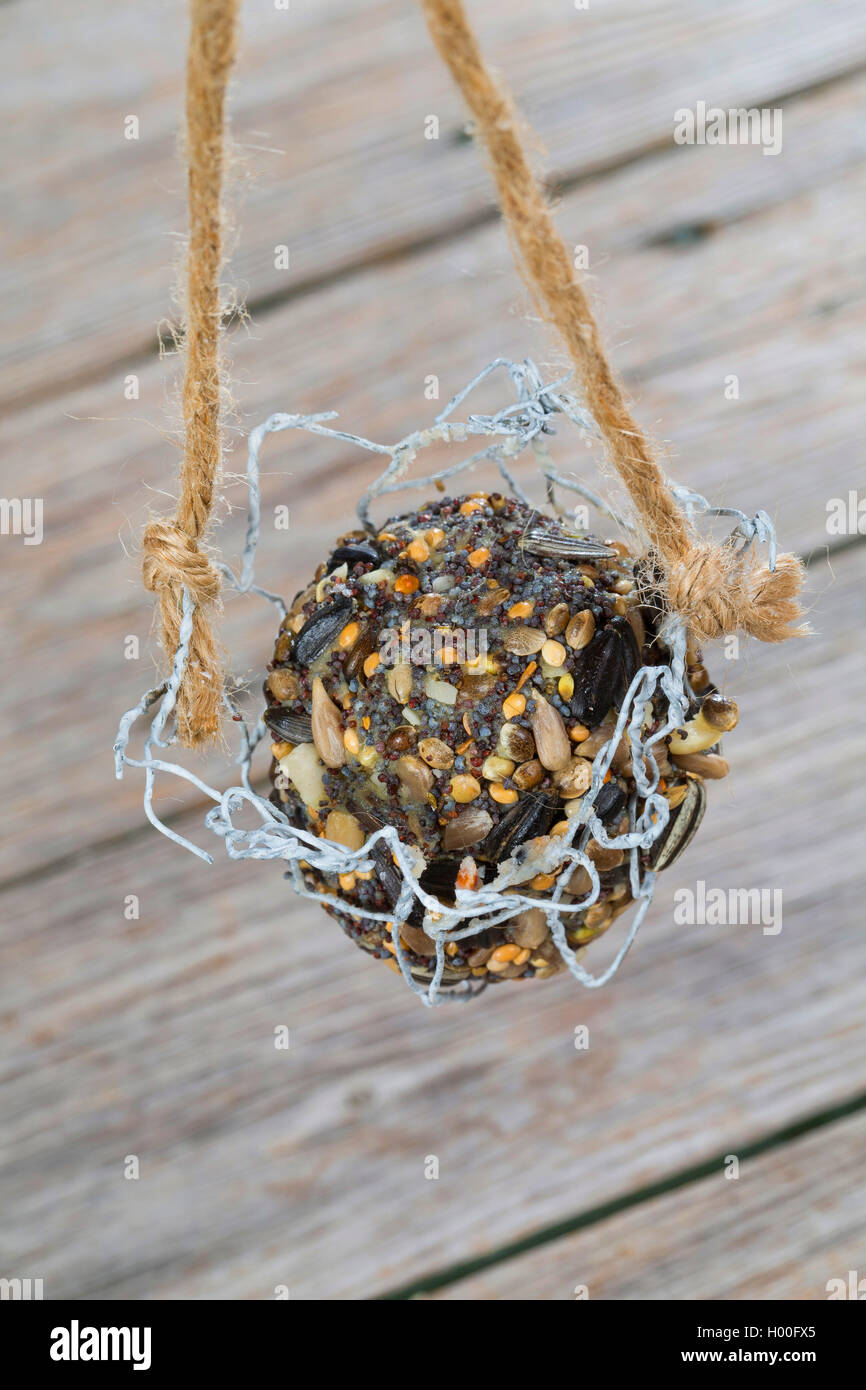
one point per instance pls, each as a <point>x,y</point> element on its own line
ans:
<point>563,545</point>
<point>680,829</point>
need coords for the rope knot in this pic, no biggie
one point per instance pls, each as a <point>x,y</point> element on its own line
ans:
<point>172,558</point>
<point>718,591</point>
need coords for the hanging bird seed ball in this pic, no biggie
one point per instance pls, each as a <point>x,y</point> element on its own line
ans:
<point>454,676</point>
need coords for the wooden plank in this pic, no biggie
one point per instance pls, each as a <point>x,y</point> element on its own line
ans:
<point>792,1222</point>
<point>330,131</point>
<point>260,1167</point>
<point>747,300</point>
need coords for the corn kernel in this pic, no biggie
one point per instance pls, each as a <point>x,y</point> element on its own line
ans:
<point>406,584</point>
<point>578,732</point>
<point>419,551</point>
<point>346,882</point>
<point>465,788</point>
<point>280,750</point>
<point>565,686</point>
<point>348,636</point>
<point>473,505</point>
<point>542,882</point>
<point>522,609</point>
<point>513,705</point>
<point>553,652</point>
<point>506,796</point>
<point>434,538</point>
<point>370,664</point>
<point>496,769</point>
<point>479,557</point>
<point>351,742</point>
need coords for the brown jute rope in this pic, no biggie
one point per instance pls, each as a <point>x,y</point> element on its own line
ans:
<point>714,591</point>
<point>172,555</point>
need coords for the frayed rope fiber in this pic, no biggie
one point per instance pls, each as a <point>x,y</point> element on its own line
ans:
<point>714,589</point>
<point>173,559</point>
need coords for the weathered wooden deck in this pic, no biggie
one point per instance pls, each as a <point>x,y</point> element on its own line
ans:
<point>558,1168</point>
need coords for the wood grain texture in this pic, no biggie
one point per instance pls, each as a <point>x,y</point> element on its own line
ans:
<point>332,159</point>
<point>791,1222</point>
<point>155,1038</point>
<point>683,317</point>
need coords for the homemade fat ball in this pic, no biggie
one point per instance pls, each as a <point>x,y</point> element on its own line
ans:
<point>453,677</point>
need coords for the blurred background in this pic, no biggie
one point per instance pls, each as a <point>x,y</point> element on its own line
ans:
<point>156,1143</point>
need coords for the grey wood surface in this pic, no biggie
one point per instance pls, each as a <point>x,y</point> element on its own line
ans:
<point>154,1037</point>
<point>790,1225</point>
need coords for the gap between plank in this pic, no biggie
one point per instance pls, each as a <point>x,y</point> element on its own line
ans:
<point>557,185</point>
<point>546,1235</point>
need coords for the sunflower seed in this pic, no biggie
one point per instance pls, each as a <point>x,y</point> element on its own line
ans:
<point>440,878</point>
<point>320,630</point>
<point>631,658</point>
<point>388,874</point>
<point>354,553</point>
<point>293,728</point>
<point>551,739</point>
<point>530,816</point>
<point>610,801</point>
<point>327,727</point>
<point>599,681</point>
<point>563,545</point>
<point>680,829</point>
